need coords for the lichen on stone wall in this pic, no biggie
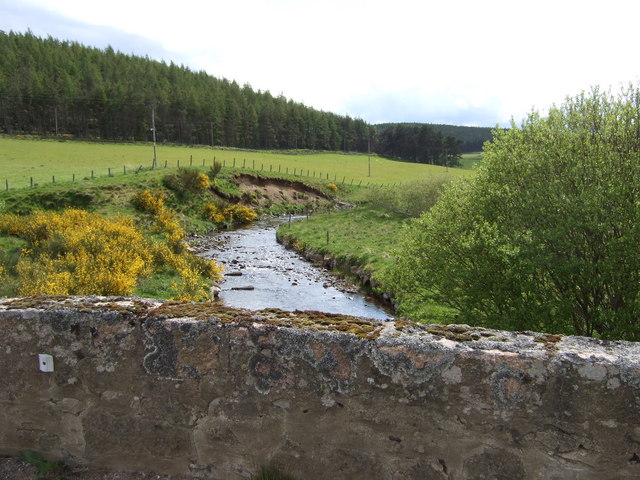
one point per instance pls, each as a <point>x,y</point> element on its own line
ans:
<point>202,389</point>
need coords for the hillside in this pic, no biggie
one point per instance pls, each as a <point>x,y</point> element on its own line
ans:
<point>50,87</point>
<point>53,87</point>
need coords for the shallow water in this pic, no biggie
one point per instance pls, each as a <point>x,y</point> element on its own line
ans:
<point>261,273</point>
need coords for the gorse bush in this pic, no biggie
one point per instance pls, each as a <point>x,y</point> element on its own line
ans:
<point>165,219</point>
<point>75,252</point>
<point>194,272</point>
<point>78,253</point>
<point>213,212</point>
<point>148,201</point>
<point>332,186</point>
<point>229,214</point>
<point>239,213</point>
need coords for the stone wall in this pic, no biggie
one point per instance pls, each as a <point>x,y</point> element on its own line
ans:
<point>215,393</point>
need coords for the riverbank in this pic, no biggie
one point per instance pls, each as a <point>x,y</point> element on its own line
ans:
<point>261,273</point>
<point>360,243</point>
<point>356,242</point>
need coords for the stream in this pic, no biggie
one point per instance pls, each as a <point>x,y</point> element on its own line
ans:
<point>260,273</point>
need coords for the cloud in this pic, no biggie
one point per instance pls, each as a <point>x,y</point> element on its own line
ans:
<point>415,106</point>
<point>20,17</point>
<point>464,62</point>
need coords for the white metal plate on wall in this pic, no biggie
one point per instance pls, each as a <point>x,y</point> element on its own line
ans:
<point>45,361</point>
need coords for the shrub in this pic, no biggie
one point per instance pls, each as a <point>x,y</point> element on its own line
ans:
<point>195,272</point>
<point>186,180</point>
<point>79,253</point>
<point>410,199</point>
<point>546,235</point>
<point>148,201</point>
<point>239,213</point>
<point>214,170</point>
<point>213,212</point>
<point>229,214</point>
<point>203,181</point>
<point>332,186</point>
<point>165,219</point>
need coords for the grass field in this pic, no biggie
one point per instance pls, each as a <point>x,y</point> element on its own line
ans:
<point>471,160</point>
<point>368,238</point>
<point>24,159</point>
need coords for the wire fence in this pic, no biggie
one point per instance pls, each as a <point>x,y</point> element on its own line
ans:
<point>252,165</point>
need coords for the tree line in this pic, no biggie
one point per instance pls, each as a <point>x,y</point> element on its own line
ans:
<point>472,138</point>
<point>54,87</point>
<point>49,87</point>
<point>419,143</point>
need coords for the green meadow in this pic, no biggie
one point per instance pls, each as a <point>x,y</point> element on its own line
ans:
<point>470,161</point>
<point>25,160</point>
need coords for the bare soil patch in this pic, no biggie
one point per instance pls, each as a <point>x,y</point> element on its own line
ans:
<point>265,190</point>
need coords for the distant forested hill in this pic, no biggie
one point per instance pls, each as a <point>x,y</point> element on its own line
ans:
<point>471,138</point>
<point>49,87</point>
<point>54,87</point>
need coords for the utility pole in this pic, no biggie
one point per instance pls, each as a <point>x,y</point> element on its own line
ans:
<point>153,129</point>
<point>369,149</point>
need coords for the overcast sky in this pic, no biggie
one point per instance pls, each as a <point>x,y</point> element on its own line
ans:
<point>462,62</point>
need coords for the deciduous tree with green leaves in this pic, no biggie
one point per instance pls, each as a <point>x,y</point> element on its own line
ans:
<point>547,235</point>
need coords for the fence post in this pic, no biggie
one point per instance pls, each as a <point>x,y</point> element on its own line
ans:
<point>6,182</point>
<point>254,164</point>
<point>191,160</point>
<point>74,177</point>
<point>178,163</point>
<point>109,171</point>
<point>244,163</point>
<point>32,182</point>
<point>92,174</point>
<point>234,162</point>
<point>53,178</point>
<point>203,162</point>
<point>165,164</point>
<point>124,168</point>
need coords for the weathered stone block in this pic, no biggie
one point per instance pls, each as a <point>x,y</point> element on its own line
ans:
<point>212,392</point>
